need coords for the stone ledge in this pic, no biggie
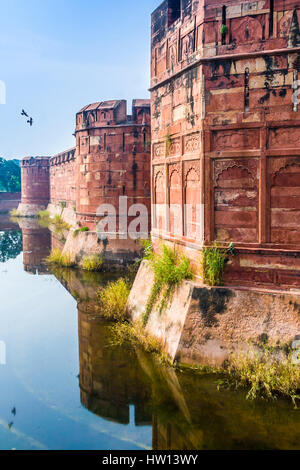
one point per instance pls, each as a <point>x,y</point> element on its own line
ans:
<point>204,324</point>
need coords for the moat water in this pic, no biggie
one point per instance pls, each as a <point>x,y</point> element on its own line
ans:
<point>63,386</point>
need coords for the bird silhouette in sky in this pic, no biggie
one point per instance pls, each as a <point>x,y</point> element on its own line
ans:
<point>23,113</point>
<point>30,121</point>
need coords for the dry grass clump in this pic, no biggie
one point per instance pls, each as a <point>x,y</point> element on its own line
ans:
<point>170,268</point>
<point>214,261</point>
<point>135,335</point>
<point>15,213</point>
<point>57,258</point>
<point>92,263</point>
<point>265,375</point>
<point>113,300</point>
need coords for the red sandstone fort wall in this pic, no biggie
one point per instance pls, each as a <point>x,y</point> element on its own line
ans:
<point>226,129</point>
<point>63,179</point>
<point>113,157</point>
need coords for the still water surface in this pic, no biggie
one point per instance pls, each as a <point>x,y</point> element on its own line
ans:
<point>64,387</point>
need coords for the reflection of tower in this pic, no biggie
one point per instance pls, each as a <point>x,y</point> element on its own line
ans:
<point>36,246</point>
<point>110,381</point>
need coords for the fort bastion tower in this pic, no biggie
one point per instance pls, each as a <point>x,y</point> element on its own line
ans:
<point>113,157</point>
<point>109,164</point>
<point>225,133</point>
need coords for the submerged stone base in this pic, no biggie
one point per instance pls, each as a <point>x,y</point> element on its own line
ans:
<point>30,210</point>
<point>67,213</point>
<point>115,253</point>
<point>204,325</point>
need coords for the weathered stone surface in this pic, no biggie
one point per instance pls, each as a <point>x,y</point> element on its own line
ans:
<point>114,252</point>
<point>35,185</point>
<point>227,107</point>
<point>204,325</point>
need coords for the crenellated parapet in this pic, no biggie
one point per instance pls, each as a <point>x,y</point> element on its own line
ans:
<point>63,157</point>
<point>63,179</point>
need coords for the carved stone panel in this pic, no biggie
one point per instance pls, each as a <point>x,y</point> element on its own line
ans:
<point>246,139</point>
<point>284,137</point>
<point>192,143</point>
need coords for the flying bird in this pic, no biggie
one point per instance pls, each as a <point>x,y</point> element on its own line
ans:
<point>23,113</point>
<point>30,121</point>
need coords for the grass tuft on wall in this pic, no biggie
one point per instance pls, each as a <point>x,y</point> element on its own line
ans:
<point>57,258</point>
<point>170,268</point>
<point>92,263</point>
<point>113,300</point>
<point>213,262</point>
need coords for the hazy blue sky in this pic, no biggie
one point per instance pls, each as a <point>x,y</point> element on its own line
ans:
<point>59,55</point>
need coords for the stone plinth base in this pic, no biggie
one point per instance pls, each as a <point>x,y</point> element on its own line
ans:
<point>67,213</point>
<point>116,252</point>
<point>204,325</point>
<point>30,210</point>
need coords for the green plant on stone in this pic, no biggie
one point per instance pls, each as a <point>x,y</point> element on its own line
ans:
<point>58,258</point>
<point>147,248</point>
<point>84,229</point>
<point>213,262</point>
<point>224,30</point>
<point>44,215</point>
<point>15,213</point>
<point>168,142</point>
<point>92,263</point>
<point>135,335</point>
<point>265,375</point>
<point>170,268</point>
<point>60,224</point>
<point>44,218</point>
<point>113,300</point>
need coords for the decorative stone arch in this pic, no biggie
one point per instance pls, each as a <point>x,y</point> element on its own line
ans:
<point>236,200</point>
<point>226,169</point>
<point>159,197</point>
<point>285,168</point>
<point>192,202</point>
<point>175,199</point>
<point>285,203</point>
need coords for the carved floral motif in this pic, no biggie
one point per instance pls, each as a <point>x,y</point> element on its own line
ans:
<point>192,143</point>
<point>285,137</point>
<point>174,147</point>
<point>159,150</point>
<point>236,139</point>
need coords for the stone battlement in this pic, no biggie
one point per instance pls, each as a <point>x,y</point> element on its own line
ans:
<point>63,157</point>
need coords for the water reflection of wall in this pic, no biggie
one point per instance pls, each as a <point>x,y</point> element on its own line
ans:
<point>6,223</point>
<point>110,380</point>
<point>36,246</point>
<point>185,409</point>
